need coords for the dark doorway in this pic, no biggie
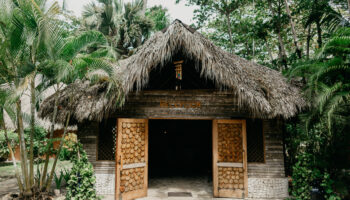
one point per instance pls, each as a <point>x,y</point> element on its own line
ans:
<point>180,148</point>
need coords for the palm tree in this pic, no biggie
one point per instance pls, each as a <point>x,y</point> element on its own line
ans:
<point>32,44</point>
<point>321,14</point>
<point>13,50</point>
<point>124,25</point>
<point>66,64</point>
<point>328,80</point>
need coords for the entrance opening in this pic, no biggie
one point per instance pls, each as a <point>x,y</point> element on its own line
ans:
<point>180,155</point>
<point>180,148</point>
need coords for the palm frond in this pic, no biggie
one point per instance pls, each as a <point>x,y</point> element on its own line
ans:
<point>78,44</point>
<point>327,93</point>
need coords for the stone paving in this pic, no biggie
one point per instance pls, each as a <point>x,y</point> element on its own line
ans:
<point>158,189</point>
<point>7,186</point>
<point>200,188</point>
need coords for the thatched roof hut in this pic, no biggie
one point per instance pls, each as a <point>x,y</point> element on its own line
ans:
<point>264,91</point>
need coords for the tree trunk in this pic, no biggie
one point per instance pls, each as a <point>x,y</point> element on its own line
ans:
<point>32,130</point>
<point>349,6</point>
<point>319,34</point>
<point>144,7</point>
<point>52,129</point>
<point>247,49</point>
<point>227,14</point>
<point>49,181</point>
<point>308,40</point>
<point>23,150</point>
<point>13,158</point>
<point>298,51</point>
<point>268,49</point>
<point>282,51</point>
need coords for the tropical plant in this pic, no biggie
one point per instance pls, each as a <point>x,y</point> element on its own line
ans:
<point>58,179</point>
<point>82,178</point>
<point>124,24</point>
<point>318,145</point>
<point>328,80</point>
<point>66,175</point>
<point>33,43</point>
<point>65,66</point>
<point>159,16</point>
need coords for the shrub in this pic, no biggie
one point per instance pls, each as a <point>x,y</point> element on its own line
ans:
<point>315,161</point>
<point>39,142</point>
<point>69,141</point>
<point>82,178</point>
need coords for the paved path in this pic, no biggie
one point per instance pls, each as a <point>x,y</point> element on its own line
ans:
<point>7,186</point>
<point>159,188</point>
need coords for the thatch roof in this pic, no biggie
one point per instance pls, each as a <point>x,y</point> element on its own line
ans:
<point>264,91</point>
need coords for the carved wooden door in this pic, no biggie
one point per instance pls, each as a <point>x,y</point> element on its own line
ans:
<point>131,159</point>
<point>230,177</point>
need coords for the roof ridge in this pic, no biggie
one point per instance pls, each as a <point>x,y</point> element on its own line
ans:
<point>188,27</point>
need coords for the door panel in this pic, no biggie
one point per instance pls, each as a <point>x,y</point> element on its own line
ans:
<point>132,159</point>
<point>230,178</point>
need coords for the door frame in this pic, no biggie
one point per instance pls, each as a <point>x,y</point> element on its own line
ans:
<point>214,128</point>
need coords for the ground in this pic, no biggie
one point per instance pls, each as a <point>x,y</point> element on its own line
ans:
<point>160,187</point>
<point>8,182</point>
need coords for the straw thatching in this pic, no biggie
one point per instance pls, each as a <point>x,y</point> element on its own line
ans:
<point>265,92</point>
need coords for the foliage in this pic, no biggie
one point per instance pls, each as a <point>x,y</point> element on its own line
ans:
<point>328,81</point>
<point>261,30</point>
<point>159,16</point>
<point>318,143</point>
<point>69,141</point>
<point>4,150</point>
<point>66,175</point>
<point>40,140</point>
<point>38,45</point>
<point>122,23</point>
<point>82,177</point>
<point>317,160</point>
<point>58,179</point>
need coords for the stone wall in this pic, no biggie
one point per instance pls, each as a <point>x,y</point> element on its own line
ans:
<point>267,188</point>
<point>265,180</point>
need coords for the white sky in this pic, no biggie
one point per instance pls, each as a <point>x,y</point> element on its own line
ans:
<point>177,11</point>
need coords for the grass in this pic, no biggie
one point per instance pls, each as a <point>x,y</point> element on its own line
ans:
<point>8,171</point>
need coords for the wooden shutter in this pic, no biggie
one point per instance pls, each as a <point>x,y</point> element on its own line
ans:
<point>131,159</point>
<point>230,178</point>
